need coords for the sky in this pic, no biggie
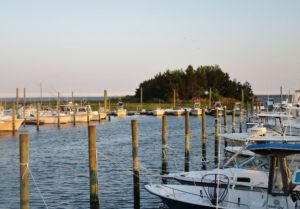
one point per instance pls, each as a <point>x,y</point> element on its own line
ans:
<point>87,46</point>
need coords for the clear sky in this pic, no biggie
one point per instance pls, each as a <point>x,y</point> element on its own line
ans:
<point>91,45</point>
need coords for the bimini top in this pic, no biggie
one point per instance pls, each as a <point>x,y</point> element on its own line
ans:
<point>276,149</point>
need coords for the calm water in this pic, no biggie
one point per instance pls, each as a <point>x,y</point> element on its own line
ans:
<point>59,162</point>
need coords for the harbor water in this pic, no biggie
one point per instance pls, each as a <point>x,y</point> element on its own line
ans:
<point>59,161</point>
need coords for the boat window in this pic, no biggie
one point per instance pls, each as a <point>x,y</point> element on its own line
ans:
<point>243,179</point>
<point>255,163</point>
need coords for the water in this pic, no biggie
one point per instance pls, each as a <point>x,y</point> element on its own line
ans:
<point>59,162</point>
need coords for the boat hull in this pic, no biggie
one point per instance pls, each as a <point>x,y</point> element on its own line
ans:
<point>54,119</point>
<point>158,112</point>
<point>95,116</point>
<point>6,125</point>
<point>174,204</point>
<point>80,118</point>
<point>196,112</point>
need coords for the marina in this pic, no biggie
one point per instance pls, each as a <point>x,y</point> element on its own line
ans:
<point>149,104</point>
<point>68,175</point>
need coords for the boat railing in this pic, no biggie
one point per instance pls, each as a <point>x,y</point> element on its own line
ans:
<point>202,195</point>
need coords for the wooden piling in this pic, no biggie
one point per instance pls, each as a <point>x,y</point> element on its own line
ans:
<point>174,98</point>
<point>87,115</point>
<point>252,106</point>
<point>225,119</point>
<point>241,118</point>
<point>94,189</point>
<point>204,137</point>
<point>242,112</point>
<point>141,99</point>
<point>256,104</point>
<point>164,166</point>
<point>17,100</point>
<point>24,171</point>
<point>217,132</point>
<point>24,106</point>
<point>187,142</point>
<point>233,118</point>
<point>209,100</point>
<point>136,164</point>
<point>248,111</point>
<point>99,111</point>
<point>38,117</point>
<point>13,112</point>
<point>105,101</point>
<point>225,123</point>
<point>74,117</point>
<point>58,110</point>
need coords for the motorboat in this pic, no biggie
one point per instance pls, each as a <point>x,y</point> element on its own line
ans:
<point>98,115</point>
<point>250,173</point>
<point>120,111</point>
<point>6,123</point>
<point>197,111</point>
<point>79,113</point>
<point>52,117</point>
<point>280,193</point>
<point>217,106</point>
<point>158,112</point>
<point>177,111</point>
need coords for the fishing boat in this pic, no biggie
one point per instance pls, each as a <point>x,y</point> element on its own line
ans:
<point>197,111</point>
<point>217,106</point>
<point>6,123</point>
<point>79,113</point>
<point>280,193</point>
<point>82,114</point>
<point>244,175</point>
<point>52,117</point>
<point>120,111</point>
<point>158,112</point>
<point>95,115</point>
<point>177,111</point>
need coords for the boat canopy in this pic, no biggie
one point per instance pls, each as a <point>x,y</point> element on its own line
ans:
<point>275,149</point>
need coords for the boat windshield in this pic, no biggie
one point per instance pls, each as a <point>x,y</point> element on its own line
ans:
<point>255,163</point>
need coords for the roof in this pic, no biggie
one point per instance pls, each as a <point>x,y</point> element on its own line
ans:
<point>275,149</point>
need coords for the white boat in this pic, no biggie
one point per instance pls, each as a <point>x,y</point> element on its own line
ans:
<point>280,193</point>
<point>158,112</point>
<point>239,177</point>
<point>177,111</point>
<point>95,115</point>
<point>6,123</point>
<point>197,111</point>
<point>50,117</point>
<point>82,114</point>
<point>120,111</point>
<point>79,113</point>
<point>217,106</point>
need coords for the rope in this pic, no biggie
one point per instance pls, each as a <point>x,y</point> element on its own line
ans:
<point>38,188</point>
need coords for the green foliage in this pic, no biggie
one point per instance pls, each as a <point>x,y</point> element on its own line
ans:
<point>193,83</point>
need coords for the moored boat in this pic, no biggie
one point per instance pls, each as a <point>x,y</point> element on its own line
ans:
<point>6,123</point>
<point>197,111</point>
<point>280,193</point>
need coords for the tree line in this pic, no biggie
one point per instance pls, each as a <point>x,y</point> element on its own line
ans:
<point>193,83</point>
